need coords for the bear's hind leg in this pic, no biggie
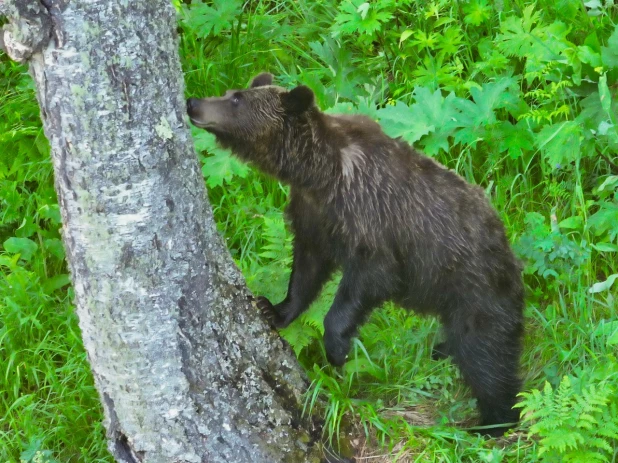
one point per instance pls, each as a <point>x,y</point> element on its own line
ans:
<point>487,347</point>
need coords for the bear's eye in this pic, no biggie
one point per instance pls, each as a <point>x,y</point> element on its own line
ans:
<point>235,100</point>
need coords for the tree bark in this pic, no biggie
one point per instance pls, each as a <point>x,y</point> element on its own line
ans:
<point>186,368</point>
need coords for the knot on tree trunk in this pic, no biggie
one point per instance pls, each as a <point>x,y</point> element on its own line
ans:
<point>29,28</point>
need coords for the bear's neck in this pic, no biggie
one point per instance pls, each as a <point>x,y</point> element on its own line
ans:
<point>306,156</point>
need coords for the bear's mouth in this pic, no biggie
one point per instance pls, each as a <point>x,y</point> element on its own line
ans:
<point>202,125</point>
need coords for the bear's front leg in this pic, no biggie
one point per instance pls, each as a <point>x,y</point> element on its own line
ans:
<point>312,267</point>
<point>364,286</point>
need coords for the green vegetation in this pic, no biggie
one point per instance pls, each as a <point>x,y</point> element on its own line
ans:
<point>519,97</point>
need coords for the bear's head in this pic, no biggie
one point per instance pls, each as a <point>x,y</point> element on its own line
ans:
<point>254,117</point>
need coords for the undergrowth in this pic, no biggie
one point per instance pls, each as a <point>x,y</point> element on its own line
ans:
<point>518,97</point>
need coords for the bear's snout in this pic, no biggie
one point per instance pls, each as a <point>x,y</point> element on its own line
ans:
<point>191,104</point>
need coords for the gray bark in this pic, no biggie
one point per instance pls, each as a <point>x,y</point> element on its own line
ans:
<point>186,368</point>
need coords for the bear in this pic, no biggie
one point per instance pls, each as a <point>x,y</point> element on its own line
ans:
<point>401,226</point>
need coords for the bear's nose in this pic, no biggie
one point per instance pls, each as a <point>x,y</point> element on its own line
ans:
<point>191,103</point>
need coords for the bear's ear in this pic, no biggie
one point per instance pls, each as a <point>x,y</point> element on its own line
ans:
<point>298,99</point>
<point>264,78</point>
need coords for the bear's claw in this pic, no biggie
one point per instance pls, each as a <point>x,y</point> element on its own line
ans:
<point>268,311</point>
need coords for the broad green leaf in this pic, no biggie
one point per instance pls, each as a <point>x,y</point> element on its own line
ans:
<point>25,247</point>
<point>51,212</point>
<point>56,282</point>
<point>610,183</point>
<point>560,143</point>
<point>535,41</point>
<point>572,223</point>
<point>358,17</point>
<point>515,38</point>
<point>479,114</point>
<point>589,56</point>
<point>477,12</point>
<point>606,247</point>
<point>405,35</point>
<point>605,220</point>
<point>491,96</point>
<point>606,328</point>
<point>215,19</point>
<point>400,120</point>
<point>54,246</point>
<point>450,40</point>
<point>444,114</point>
<point>363,9</point>
<point>513,138</point>
<point>220,166</point>
<point>609,54</point>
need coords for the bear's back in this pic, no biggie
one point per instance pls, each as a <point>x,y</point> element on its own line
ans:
<point>387,193</point>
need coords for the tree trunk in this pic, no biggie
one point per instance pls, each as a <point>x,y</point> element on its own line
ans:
<point>185,366</point>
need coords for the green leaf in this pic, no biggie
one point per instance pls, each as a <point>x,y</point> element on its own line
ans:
<point>573,223</point>
<point>589,56</point>
<point>56,282</point>
<point>605,220</point>
<point>23,246</point>
<point>51,212</point>
<point>606,328</point>
<point>477,12</point>
<point>603,285</point>
<point>405,35</point>
<point>613,339</point>
<point>609,54</point>
<point>560,143</point>
<point>513,138</point>
<point>220,166</point>
<point>604,95</point>
<point>33,447</point>
<point>401,120</point>
<point>491,96</point>
<point>606,247</point>
<point>610,183</point>
<point>515,38</point>
<point>54,246</point>
<point>215,19</point>
<point>538,43</point>
<point>358,17</point>
<point>479,114</point>
<point>432,117</point>
<point>363,9</point>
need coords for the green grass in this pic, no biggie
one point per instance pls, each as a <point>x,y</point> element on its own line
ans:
<point>533,89</point>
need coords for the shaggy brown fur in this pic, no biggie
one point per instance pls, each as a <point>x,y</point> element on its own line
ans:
<point>402,227</point>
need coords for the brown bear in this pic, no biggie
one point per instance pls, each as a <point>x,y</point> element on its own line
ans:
<point>400,225</point>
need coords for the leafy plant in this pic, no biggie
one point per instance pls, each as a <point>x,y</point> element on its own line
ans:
<point>548,252</point>
<point>575,422</point>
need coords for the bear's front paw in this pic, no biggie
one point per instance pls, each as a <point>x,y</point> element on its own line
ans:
<point>337,349</point>
<point>269,311</point>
